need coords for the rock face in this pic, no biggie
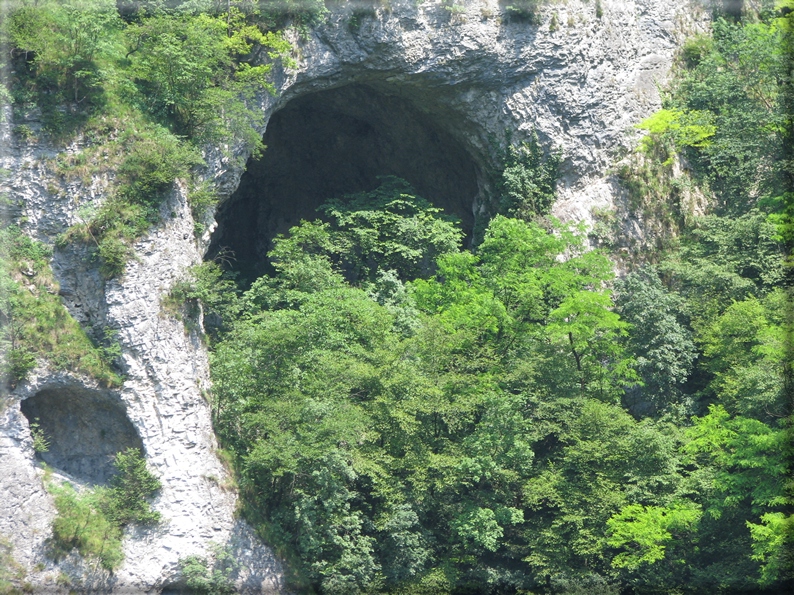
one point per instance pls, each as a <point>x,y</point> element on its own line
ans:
<point>411,82</point>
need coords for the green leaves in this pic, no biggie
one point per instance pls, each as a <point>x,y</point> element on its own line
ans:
<point>745,347</point>
<point>645,530</point>
<point>750,458</point>
<point>481,527</point>
<point>772,539</point>
<point>729,108</point>
<point>92,520</point>
<point>33,321</point>
<point>352,430</point>
<point>131,488</point>
<point>390,229</point>
<point>688,129</point>
<point>528,177</point>
<point>210,577</point>
<point>660,343</point>
<point>154,159</point>
<point>152,164</point>
<point>190,73</point>
<point>66,41</point>
<point>81,523</point>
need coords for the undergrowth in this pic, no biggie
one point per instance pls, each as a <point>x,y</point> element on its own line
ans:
<point>12,573</point>
<point>34,322</point>
<point>660,193</point>
<point>153,160</point>
<point>101,73</point>
<point>92,520</point>
<point>210,575</point>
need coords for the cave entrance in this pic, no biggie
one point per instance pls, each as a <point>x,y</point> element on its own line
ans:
<point>335,142</point>
<point>84,428</point>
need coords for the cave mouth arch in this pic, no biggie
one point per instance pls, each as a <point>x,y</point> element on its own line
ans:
<point>330,143</point>
<point>84,428</point>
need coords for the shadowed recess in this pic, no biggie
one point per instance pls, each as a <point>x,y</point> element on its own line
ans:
<point>336,142</point>
<point>84,428</point>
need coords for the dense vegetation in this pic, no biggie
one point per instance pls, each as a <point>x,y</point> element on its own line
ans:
<point>408,416</point>
<point>512,418</point>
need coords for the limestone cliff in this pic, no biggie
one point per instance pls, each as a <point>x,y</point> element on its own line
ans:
<point>413,90</point>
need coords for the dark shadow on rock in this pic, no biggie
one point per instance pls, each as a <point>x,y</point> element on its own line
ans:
<point>84,429</point>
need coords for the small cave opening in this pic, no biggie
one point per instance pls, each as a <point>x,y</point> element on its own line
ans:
<point>331,143</point>
<point>84,430</point>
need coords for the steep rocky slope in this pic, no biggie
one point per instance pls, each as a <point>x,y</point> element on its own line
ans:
<point>416,79</point>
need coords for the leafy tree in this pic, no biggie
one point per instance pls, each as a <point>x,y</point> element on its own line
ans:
<point>662,345</point>
<point>367,432</point>
<point>605,461</point>
<point>746,355</point>
<point>516,283</point>
<point>529,177</point>
<point>732,91</point>
<point>748,462</point>
<point>723,258</point>
<point>645,531</point>
<point>772,539</point>
<point>392,229</point>
<point>190,73</point>
<point>387,229</point>
<point>749,455</point>
<point>60,46</point>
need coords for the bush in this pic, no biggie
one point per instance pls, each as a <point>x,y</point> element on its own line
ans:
<point>277,14</point>
<point>114,255</point>
<point>58,47</point>
<point>209,577</point>
<point>201,199</point>
<point>528,180</point>
<point>206,97</point>
<point>154,160</point>
<point>82,524</point>
<point>130,488</point>
<point>208,290</point>
<point>523,11</point>
<point>92,521</point>
<point>153,163</point>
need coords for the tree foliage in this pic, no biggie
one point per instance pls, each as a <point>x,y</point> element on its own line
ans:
<point>407,416</point>
<point>727,112</point>
<point>528,179</point>
<point>191,72</point>
<point>359,424</point>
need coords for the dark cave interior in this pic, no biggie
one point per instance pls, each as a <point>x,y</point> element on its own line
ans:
<point>331,143</point>
<point>84,428</point>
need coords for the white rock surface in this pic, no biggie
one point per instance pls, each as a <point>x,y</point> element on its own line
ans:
<point>582,87</point>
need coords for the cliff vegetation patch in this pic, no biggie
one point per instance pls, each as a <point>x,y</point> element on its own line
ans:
<point>92,520</point>
<point>35,323</point>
